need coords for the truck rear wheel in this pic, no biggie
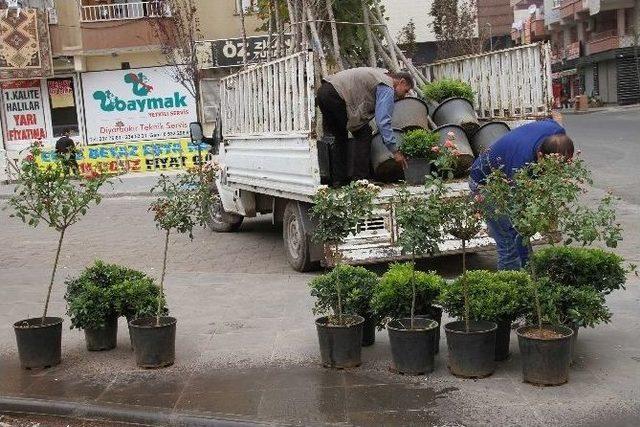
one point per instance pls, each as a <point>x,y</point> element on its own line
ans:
<point>296,245</point>
<point>221,221</point>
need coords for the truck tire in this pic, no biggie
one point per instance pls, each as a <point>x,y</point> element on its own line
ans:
<point>221,221</point>
<point>296,245</point>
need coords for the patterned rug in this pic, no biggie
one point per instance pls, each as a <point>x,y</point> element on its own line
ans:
<point>25,47</point>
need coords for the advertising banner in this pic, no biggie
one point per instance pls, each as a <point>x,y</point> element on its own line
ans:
<point>141,156</point>
<point>24,112</point>
<point>133,105</point>
<point>230,52</point>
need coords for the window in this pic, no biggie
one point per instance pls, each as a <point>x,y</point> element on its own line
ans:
<point>249,6</point>
<point>62,100</point>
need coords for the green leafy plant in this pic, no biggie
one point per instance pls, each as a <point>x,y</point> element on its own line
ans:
<point>137,297</point>
<point>420,221</point>
<point>440,90</point>
<point>581,267</point>
<point>357,285</point>
<point>337,212</point>
<point>52,196</point>
<point>568,305</point>
<point>490,296</point>
<point>461,216</point>
<point>181,205</point>
<point>420,144</point>
<point>543,198</point>
<point>403,291</point>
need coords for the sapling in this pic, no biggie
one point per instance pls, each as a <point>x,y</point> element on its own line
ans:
<point>181,205</point>
<point>53,196</point>
<point>338,211</point>
<point>544,198</point>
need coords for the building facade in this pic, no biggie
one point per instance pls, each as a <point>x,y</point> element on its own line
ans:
<point>595,46</point>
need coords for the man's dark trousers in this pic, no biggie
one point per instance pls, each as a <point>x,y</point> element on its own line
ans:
<point>351,160</point>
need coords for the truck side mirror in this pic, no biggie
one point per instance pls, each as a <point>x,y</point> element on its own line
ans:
<point>195,130</point>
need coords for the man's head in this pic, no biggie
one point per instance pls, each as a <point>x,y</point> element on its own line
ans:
<point>402,83</point>
<point>556,144</point>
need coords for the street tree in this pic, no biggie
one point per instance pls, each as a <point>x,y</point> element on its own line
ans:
<point>455,24</point>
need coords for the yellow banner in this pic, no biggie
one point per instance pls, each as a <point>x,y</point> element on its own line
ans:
<point>143,156</point>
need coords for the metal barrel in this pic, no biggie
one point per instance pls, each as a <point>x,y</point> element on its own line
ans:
<point>487,135</point>
<point>410,113</point>
<point>457,111</point>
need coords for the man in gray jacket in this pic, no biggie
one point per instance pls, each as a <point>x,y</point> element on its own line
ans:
<point>348,101</point>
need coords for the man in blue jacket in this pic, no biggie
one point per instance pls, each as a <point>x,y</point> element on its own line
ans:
<point>523,145</point>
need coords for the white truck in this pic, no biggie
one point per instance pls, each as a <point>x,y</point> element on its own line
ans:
<point>269,153</point>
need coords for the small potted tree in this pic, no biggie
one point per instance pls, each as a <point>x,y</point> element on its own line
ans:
<point>401,289</point>
<point>471,342</point>
<point>543,198</point>
<point>337,213</point>
<point>53,197</point>
<point>357,285</point>
<point>181,205</point>
<point>420,147</point>
<point>413,339</point>
<point>455,104</point>
<point>500,297</point>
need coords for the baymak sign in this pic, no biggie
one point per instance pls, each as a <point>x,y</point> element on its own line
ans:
<point>142,104</point>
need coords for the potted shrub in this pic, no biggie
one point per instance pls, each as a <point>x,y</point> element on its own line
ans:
<point>92,304</point>
<point>471,342</point>
<point>420,147</point>
<point>53,197</point>
<point>337,213</point>
<point>356,285</point>
<point>181,205</point>
<point>401,289</point>
<point>455,99</point>
<point>543,198</point>
<point>413,339</point>
<point>500,297</point>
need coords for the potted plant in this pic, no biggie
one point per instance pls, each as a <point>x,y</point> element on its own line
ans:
<point>357,285</point>
<point>401,289</point>
<point>92,304</point>
<point>455,99</point>
<point>500,297</point>
<point>471,342</point>
<point>413,339</point>
<point>181,205</point>
<point>420,147</point>
<point>337,213</point>
<point>543,198</point>
<point>53,197</point>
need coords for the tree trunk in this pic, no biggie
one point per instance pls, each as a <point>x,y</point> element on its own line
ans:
<point>393,66</point>
<point>279,47</point>
<point>164,270</point>
<point>270,36</point>
<point>317,43</point>
<point>390,41</point>
<point>53,275</point>
<point>367,27</point>
<point>244,37</point>
<point>294,27</point>
<point>413,288</point>
<point>465,285</point>
<point>303,26</point>
<point>536,292</point>
<point>334,35</point>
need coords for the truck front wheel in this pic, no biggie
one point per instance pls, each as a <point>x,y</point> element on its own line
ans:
<point>221,221</point>
<point>296,244</point>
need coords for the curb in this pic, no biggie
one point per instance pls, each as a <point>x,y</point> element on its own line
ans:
<point>122,414</point>
<point>141,194</point>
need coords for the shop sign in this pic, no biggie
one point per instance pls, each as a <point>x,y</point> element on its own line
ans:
<point>230,52</point>
<point>24,111</point>
<point>138,104</point>
<point>141,156</point>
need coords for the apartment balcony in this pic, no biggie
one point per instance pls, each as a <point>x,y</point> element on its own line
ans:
<point>123,11</point>
<point>538,30</point>
<point>601,42</point>
<point>567,53</point>
<point>572,10</point>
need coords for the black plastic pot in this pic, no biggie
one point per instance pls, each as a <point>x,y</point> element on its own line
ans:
<point>384,166</point>
<point>39,343</point>
<point>410,113</point>
<point>412,350</point>
<point>435,313</point>
<point>471,354</point>
<point>466,157</point>
<point>574,340</point>
<point>102,339</point>
<point>154,346</point>
<point>487,135</point>
<point>340,346</point>
<point>545,361</point>
<point>457,111</point>
<point>503,339</point>
<point>368,331</point>
<point>416,171</point>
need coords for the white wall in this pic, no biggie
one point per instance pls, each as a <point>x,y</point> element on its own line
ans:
<point>400,12</point>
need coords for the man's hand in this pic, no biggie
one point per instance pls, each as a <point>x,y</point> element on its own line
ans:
<point>399,157</point>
